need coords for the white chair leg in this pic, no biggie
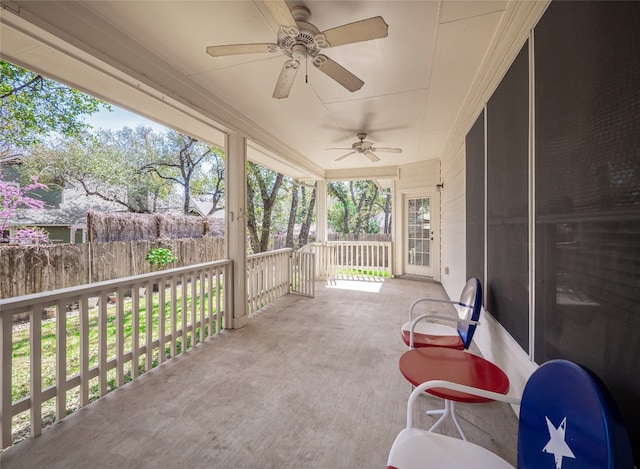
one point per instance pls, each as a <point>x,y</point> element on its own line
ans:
<point>449,410</point>
<point>455,420</point>
<point>443,412</point>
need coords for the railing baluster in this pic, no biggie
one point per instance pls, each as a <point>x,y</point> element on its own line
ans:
<point>135,330</point>
<point>35,346</point>
<point>252,287</point>
<point>83,313</point>
<point>210,276</point>
<point>218,300</point>
<point>185,317</point>
<point>6,343</point>
<point>202,304</point>
<point>61,360</point>
<point>174,317</point>
<point>102,343</point>
<point>162,286</point>
<point>120,337</point>
<point>148,316</point>
<point>194,280</point>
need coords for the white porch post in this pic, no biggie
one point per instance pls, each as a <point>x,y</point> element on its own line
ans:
<point>397,227</point>
<point>321,213</point>
<point>236,231</point>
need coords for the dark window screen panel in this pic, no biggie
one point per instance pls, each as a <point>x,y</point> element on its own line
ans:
<point>507,297</point>
<point>587,174</point>
<point>474,145</point>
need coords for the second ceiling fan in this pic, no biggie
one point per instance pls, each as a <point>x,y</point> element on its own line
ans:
<point>365,148</point>
<point>298,39</point>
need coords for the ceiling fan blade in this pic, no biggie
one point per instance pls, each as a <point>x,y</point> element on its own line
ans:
<point>237,49</point>
<point>286,79</point>
<point>365,30</point>
<point>341,148</point>
<point>338,73</point>
<point>388,150</point>
<point>344,156</point>
<point>281,13</point>
<point>372,156</point>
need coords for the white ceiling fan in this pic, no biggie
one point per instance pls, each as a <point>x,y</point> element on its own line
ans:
<point>299,39</point>
<point>366,148</point>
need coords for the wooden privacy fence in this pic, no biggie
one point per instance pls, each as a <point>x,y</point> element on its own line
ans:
<point>109,226</point>
<point>36,268</point>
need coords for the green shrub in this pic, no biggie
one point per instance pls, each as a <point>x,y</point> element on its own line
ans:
<point>160,257</point>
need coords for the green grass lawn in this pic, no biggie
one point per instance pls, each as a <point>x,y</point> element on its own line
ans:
<point>350,272</point>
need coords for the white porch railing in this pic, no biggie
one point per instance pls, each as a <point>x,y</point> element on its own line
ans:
<point>77,344</point>
<point>302,272</point>
<point>83,353</point>
<point>273,274</point>
<point>352,259</point>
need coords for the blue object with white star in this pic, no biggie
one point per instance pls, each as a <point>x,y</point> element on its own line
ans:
<point>568,419</point>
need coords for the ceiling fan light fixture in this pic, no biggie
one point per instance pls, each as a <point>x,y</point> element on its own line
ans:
<point>299,53</point>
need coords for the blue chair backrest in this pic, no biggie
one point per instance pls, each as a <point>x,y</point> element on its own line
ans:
<point>568,419</point>
<point>469,308</point>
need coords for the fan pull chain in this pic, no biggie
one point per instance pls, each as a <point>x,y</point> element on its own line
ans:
<point>306,68</point>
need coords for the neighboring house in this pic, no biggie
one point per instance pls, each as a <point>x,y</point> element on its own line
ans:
<point>64,216</point>
<point>65,213</point>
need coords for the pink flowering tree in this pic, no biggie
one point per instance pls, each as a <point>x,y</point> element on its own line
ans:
<point>12,198</point>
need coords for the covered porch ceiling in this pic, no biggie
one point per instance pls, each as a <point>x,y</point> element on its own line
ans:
<point>150,58</point>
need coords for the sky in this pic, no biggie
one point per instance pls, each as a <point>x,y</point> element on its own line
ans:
<point>119,118</point>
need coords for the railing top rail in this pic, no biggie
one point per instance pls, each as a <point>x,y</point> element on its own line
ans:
<point>107,285</point>
<point>333,243</point>
<point>269,253</point>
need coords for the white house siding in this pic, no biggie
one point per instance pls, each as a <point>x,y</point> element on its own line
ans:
<point>411,178</point>
<point>491,338</point>
<point>453,224</point>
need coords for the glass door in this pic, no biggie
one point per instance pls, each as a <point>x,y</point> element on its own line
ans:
<point>421,253</point>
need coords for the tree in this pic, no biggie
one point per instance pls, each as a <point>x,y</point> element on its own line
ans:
<point>14,197</point>
<point>183,162</point>
<point>106,164</point>
<point>262,194</point>
<point>135,168</point>
<point>387,214</point>
<point>32,106</point>
<point>357,203</point>
<point>208,184</point>
<point>301,212</point>
<point>339,216</point>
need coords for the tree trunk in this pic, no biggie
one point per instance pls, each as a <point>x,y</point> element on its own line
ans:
<point>292,215</point>
<point>268,196</point>
<point>187,196</point>
<point>360,215</point>
<point>387,214</point>
<point>303,239</point>
<point>251,220</point>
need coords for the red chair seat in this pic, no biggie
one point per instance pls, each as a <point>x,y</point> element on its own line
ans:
<point>428,340</point>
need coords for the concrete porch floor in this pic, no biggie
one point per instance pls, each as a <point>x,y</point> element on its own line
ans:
<point>308,383</point>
